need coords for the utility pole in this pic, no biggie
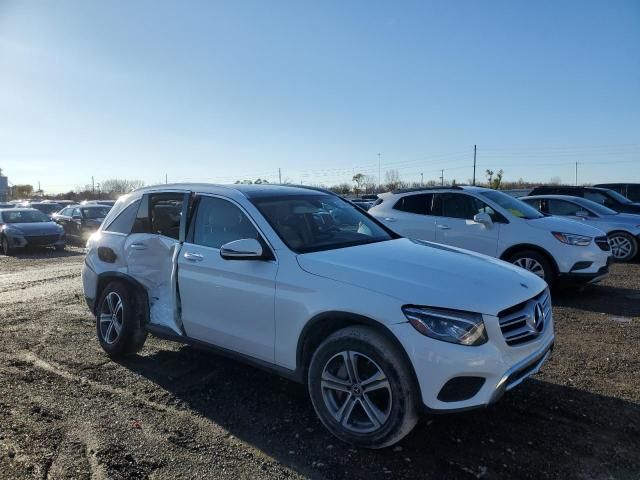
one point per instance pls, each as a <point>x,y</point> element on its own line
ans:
<point>474,164</point>
<point>379,177</point>
<point>576,174</point>
<point>421,179</point>
<point>166,178</point>
<point>442,177</point>
<point>93,185</point>
<point>280,176</point>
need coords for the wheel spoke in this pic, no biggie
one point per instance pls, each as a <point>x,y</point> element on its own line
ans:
<point>107,335</point>
<point>105,318</point>
<point>375,415</point>
<point>376,381</point>
<point>346,409</point>
<point>118,307</point>
<point>350,363</point>
<point>110,303</point>
<point>334,383</point>
<point>117,327</point>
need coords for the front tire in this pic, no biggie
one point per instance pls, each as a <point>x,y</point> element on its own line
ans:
<point>535,263</point>
<point>624,246</point>
<point>6,248</point>
<point>118,322</point>
<point>362,389</point>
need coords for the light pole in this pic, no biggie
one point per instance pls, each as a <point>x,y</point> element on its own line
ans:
<point>379,170</point>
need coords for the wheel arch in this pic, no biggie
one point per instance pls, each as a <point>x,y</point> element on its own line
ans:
<point>326,323</point>
<point>536,248</point>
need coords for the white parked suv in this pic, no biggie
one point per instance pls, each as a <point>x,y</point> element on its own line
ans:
<point>302,282</point>
<point>496,224</point>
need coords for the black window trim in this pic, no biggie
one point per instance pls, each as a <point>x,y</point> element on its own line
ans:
<point>269,253</point>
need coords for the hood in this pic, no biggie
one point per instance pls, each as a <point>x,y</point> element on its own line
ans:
<point>36,228</point>
<point>425,273</point>
<point>565,225</point>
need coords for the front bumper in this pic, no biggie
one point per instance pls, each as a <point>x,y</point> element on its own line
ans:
<point>577,277</point>
<point>438,365</point>
<point>25,241</point>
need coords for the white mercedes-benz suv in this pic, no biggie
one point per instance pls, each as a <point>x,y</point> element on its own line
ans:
<point>303,283</point>
<point>496,224</point>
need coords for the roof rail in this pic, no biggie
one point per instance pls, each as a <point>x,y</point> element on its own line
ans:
<point>420,189</point>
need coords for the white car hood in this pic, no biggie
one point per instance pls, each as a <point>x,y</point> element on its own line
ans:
<point>425,273</point>
<point>565,225</point>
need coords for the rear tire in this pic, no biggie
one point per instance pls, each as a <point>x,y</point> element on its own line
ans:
<point>119,324</point>
<point>624,247</point>
<point>60,248</point>
<point>535,263</point>
<point>362,389</point>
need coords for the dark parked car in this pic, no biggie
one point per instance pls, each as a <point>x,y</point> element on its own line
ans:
<point>7,205</point>
<point>28,227</point>
<point>629,190</point>
<point>603,196</point>
<point>47,208</point>
<point>80,221</point>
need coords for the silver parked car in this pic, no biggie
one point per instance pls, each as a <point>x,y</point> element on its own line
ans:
<point>622,229</point>
<point>28,227</point>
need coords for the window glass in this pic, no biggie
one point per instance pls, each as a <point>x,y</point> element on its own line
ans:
<point>515,207</point>
<point>315,222</point>
<point>596,197</point>
<point>165,211</point>
<point>76,212</point>
<point>454,205</point>
<point>24,216</point>
<point>219,221</point>
<point>95,212</point>
<point>534,202</point>
<point>480,207</point>
<point>420,204</point>
<point>67,211</point>
<point>561,207</point>
<point>124,221</point>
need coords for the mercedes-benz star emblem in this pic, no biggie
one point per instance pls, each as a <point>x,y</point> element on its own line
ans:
<point>537,315</point>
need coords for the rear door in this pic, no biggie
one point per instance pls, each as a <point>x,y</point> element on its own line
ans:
<point>228,303</point>
<point>455,225</point>
<point>151,252</point>
<point>411,217</point>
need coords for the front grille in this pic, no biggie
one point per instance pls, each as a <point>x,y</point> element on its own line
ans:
<point>525,321</point>
<point>603,243</point>
<point>41,240</point>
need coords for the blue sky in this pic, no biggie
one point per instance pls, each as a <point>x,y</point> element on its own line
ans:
<point>219,91</point>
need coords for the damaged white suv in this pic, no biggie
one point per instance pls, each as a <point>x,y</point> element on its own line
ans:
<point>301,282</point>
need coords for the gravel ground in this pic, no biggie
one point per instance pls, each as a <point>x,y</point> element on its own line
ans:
<point>66,411</point>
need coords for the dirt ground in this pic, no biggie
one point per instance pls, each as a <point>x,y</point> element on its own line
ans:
<point>67,411</point>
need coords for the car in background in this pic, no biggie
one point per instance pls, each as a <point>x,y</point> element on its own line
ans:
<point>109,203</point>
<point>48,208</point>
<point>604,196</point>
<point>363,204</point>
<point>495,224</point>
<point>28,227</point>
<point>629,190</point>
<point>7,205</point>
<point>622,229</point>
<point>301,282</point>
<point>80,221</point>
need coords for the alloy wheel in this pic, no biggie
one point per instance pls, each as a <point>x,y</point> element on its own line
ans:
<point>621,247</point>
<point>356,392</point>
<point>111,317</point>
<point>530,264</point>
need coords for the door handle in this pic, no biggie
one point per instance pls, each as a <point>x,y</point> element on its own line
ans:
<point>193,257</point>
<point>443,227</point>
<point>138,246</point>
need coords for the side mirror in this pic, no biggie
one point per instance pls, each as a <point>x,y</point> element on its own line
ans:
<point>244,249</point>
<point>582,213</point>
<point>483,218</point>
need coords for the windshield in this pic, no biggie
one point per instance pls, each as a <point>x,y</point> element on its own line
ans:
<point>24,216</point>
<point>309,223</point>
<point>514,206</point>
<point>95,212</point>
<point>617,196</point>
<point>594,206</point>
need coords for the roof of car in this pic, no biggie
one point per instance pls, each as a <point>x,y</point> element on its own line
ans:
<point>248,190</point>
<point>553,197</point>
<point>19,209</point>
<point>567,187</point>
<point>455,188</point>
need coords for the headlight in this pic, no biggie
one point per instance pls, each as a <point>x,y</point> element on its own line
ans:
<point>453,326</point>
<point>572,239</point>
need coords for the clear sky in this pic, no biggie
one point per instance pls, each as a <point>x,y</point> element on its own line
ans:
<point>219,91</point>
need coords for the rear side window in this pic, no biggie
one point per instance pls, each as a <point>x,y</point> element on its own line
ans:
<point>219,221</point>
<point>124,221</point>
<point>560,207</point>
<point>419,204</point>
<point>455,205</point>
<point>598,198</point>
<point>160,213</point>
